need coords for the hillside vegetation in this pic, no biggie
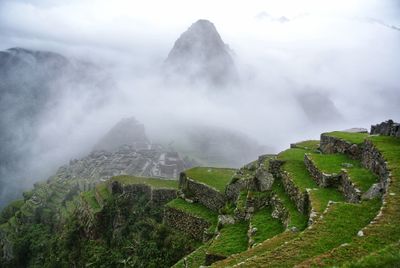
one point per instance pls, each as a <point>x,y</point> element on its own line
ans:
<point>333,202</point>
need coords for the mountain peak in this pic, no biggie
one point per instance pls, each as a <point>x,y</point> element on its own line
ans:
<point>200,54</point>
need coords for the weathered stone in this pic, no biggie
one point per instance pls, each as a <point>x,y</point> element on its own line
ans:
<point>321,178</point>
<point>264,179</point>
<point>191,225</point>
<point>347,187</point>
<point>376,190</point>
<point>225,220</point>
<point>387,128</point>
<point>202,193</point>
<point>330,145</point>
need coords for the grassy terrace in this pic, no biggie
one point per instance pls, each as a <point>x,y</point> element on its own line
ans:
<point>267,226</point>
<point>320,198</point>
<point>214,177</point>
<point>194,209</point>
<point>294,164</point>
<point>389,256</point>
<point>296,219</point>
<point>90,199</point>
<point>102,190</point>
<point>263,248</point>
<point>232,239</point>
<point>308,145</point>
<point>339,225</point>
<point>333,163</point>
<point>356,138</point>
<point>194,259</point>
<point>153,182</point>
<point>384,231</point>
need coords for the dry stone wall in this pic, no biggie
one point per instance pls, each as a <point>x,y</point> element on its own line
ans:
<point>349,190</point>
<point>331,145</point>
<point>374,161</point>
<point>300,198</point>
<point>191,225</point>
<point>134,191</point>
<point>202,193</point>
<point>321,178</point>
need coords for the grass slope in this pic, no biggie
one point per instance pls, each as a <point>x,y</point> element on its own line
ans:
<point>356,138</point>
<point>338,226</point>
<point>194,209</point>
<point>333,163</point>
<point>232,239</point>
<point>214,177</point>
<point>384,230</point>
<point>267,226</point>
<point>153,182</point>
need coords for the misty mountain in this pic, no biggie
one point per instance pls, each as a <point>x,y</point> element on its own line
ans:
<point>200,55</point>
<point>218,146</point>
<point>128,131</point>
<point>318,107</point>
<point>32,85</point>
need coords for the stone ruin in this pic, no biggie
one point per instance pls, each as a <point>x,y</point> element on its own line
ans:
<point>387,128</point>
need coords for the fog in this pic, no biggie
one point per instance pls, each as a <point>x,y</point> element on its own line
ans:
<point>304,68</point>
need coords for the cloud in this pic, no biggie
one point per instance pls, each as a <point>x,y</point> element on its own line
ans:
<point>348,62</point>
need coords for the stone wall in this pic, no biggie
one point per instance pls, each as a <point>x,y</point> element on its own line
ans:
<point>387,128</point>
<point>191,225</point>
<point>134,191</point>
<point>202,193</point>
<point>330,145</point>
<point>349,190</point>
<point>321,178</point>
<point>374,161</point>
<point>163,196</point>
<point>279,210</point>
<point>301,199</point>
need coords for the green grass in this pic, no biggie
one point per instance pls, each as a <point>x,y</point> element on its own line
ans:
<point>333,163</point>
<point>308,145</point>
<point>296,219</point>
<point>339,225</point>
<point>302,179</point>
<point>266,246</point>
<point>232,239</point>
<point>295,166</point>
<point>90,199</point>
<point>389,256</point>
<point>194,209</point>
<point>194,259</point>
<point>356,138</point>
<point>384,231</point>
<point>320,198</point>
<point>102,190</point>
<point>267,226</point>
<point>217,178</point>
<point>153,182</point>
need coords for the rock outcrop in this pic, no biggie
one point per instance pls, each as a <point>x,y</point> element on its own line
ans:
<point>200,55</point>
<point>387,128</point>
